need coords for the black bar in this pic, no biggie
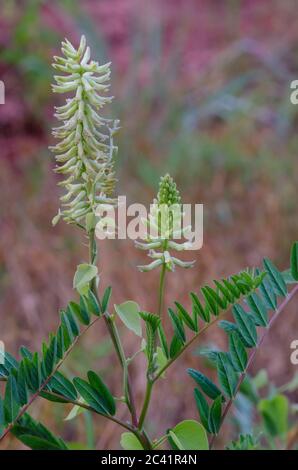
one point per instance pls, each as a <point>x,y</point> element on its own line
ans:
<point>133,459</point>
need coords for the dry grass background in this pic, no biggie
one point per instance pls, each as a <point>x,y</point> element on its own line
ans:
<point>202,90</point>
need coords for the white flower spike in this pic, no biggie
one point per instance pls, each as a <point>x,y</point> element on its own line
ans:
<point>164,217</point>
<point>86,150</point>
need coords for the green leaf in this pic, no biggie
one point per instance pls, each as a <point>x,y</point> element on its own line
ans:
<point>177,325</point>
<point>90,395</point>
<point>258,308</point>
<point>22,386</point>
<point>7,363</point>
<point>215,415</point>
<point>128,312</point>
<point>209,354</point>
<point>84,274</point>
<point>2,417</point>
<point>24,352</point>
<point>80,311</point>
<point>203,408</point>
<point>232,288</point>
<point>221,302</point>
<point>237,352</point>
<point>163,340</point>
<point>161,359</point>
<point>60,384</point>
<point>94,304</point>
<point>225,292</point>
<point>228,326</point>
<point>210,300</point>
<point>49,360</point>
<point>294,261</point>
<point>55,399</point>
<point>246,326</point>
<point>186,317</point>
<point>36,436</point>
<point>106,299</point>
<point>73,323</point>
<point>11,400</point>
<point>245,442</point>
<point>129,441</point>
<point>268,294</point>
<point>275,412</point>
<point>226,375</point>
<point>198,308</point>
<point>189,435</point>
<point>35,371</point>
<point>204,383</point>
<point>175,346</point>
<point>275,277</point>
<point>107,398</point>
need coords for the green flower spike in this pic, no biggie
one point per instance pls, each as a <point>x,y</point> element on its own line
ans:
<point>85,152</point>
<point>164,221</point>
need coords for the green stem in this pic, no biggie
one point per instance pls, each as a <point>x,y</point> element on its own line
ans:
<point>146,404</point>
<point>113,331</point>
<point>161,290</point>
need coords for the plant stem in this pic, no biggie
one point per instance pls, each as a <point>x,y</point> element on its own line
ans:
<point>146,404</point>
<point>113,331</point>
<point>161,290</point>
<point>252,356</point>
<point>150,383</point>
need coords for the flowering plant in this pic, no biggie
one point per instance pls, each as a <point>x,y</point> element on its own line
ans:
<point>85,158</point>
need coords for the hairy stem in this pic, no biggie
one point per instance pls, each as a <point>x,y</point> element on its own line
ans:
<point>113,331</point>
<point>252,356</point>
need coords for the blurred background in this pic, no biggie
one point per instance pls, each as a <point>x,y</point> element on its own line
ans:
<point>202,90</point>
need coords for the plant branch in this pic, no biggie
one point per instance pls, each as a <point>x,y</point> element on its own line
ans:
<point>43,385</point>
<point>253,354</point>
